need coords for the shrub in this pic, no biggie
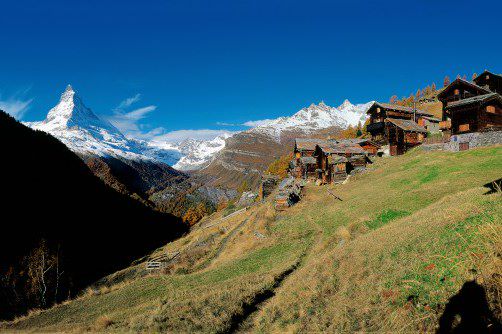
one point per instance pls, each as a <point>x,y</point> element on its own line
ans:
<point>103,322</point>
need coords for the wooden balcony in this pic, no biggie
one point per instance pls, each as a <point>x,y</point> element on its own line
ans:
<point>375,127</point>
<point>459,97</point>
<point>445,125</point>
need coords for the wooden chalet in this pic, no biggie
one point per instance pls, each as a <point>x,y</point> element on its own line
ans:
<point>490,81</point>
<point>469,107</point>
<point>333,160</point>
<point>380,112</point>
<point>403,134</point>
<point>304,164</point>
<point>305,147</point>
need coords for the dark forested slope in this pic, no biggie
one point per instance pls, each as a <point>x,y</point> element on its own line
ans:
<point>89,229</point>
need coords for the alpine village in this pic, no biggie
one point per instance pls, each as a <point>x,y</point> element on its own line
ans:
<point>470,116</point>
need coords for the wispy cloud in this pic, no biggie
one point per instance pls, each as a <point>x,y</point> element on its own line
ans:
<point>250,124</point>
<point>260,122</point>
<point>134,124</point>
<point>227,124</point>
<point>15,107</point>
<point>180,135</point>
<point>129,122</point>
<point>128,102</point>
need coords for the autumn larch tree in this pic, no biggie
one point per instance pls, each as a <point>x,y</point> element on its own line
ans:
<point>446,81</point>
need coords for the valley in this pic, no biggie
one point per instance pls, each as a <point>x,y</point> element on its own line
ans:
<point>410,248</point>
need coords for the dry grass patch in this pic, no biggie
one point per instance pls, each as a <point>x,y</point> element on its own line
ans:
<point>395,278</point>
<point>102,323</point>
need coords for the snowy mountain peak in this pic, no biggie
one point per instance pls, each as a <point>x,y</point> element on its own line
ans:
<point>345,105</point>
<point>72,112</point>
<point>316,117</point>
<point>86,133</point>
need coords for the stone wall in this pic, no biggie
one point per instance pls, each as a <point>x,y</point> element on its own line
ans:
<point>475,139</point>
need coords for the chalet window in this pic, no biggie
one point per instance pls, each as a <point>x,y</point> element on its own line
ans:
<point>463,127</point>
<point>456,92</point>
<point>490,109</point>
<point>487,77</point>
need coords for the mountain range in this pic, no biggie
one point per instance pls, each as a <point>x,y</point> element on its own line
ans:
<point>79,128</point>
<point>156,171</point>
<point>247,154</point>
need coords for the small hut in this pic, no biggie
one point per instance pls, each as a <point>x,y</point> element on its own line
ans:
<point>403,134</point>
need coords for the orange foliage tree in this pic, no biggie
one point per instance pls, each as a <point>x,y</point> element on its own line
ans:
<point>195,213</point>
<point>280,166</point>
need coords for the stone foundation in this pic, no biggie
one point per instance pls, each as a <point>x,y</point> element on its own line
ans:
<point>475,139</point>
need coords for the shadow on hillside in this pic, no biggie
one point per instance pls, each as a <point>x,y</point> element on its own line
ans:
<point>468,312</point>
<point>61,227</point>
<point>494,186</point>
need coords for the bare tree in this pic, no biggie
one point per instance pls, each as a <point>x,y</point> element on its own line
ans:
<point>59,273</point>
<point>39,264</point>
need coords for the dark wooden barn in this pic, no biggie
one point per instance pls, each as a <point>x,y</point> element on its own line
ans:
<point>333,160</point>
<point>474,114</point>
<point>472,106</point>
<point>490,81</point>
<point>380,112</point>
<point>403,134</point>
<point>304,164</point>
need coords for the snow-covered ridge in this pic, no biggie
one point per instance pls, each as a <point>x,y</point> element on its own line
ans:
<point>316,117</point>
<point>82,131</point>
<point>194,153</point>
<point>79,128</point>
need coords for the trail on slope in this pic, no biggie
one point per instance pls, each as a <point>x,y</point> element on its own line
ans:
<point>242,322</point>
<point>223,243</point>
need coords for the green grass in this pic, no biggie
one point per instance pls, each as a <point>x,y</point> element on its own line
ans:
<point>385,217</point>
<point>410,228</point>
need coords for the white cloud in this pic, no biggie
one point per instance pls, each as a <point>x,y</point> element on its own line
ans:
<point>15,107</point>
<point>128,122</point>
<point>128,102</point>
<point>260,122</point>
<point>131,124</point>
<point>180,135</point>
<point>226,124</point>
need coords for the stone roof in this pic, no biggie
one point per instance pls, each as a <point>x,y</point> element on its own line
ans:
<point>308,160</point>
<point>396,107</point>
<point>406,125</point>
<point>462,81</point>
<point>356,141</point>
<point>308,144</point>
<point>341,148</point>
<point>336,159</point>
<point>474,100</point>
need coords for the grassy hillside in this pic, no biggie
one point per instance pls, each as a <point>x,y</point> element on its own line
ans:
<point>404,239</point>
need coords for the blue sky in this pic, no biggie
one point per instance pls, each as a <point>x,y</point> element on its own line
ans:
<point>162,66</point>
